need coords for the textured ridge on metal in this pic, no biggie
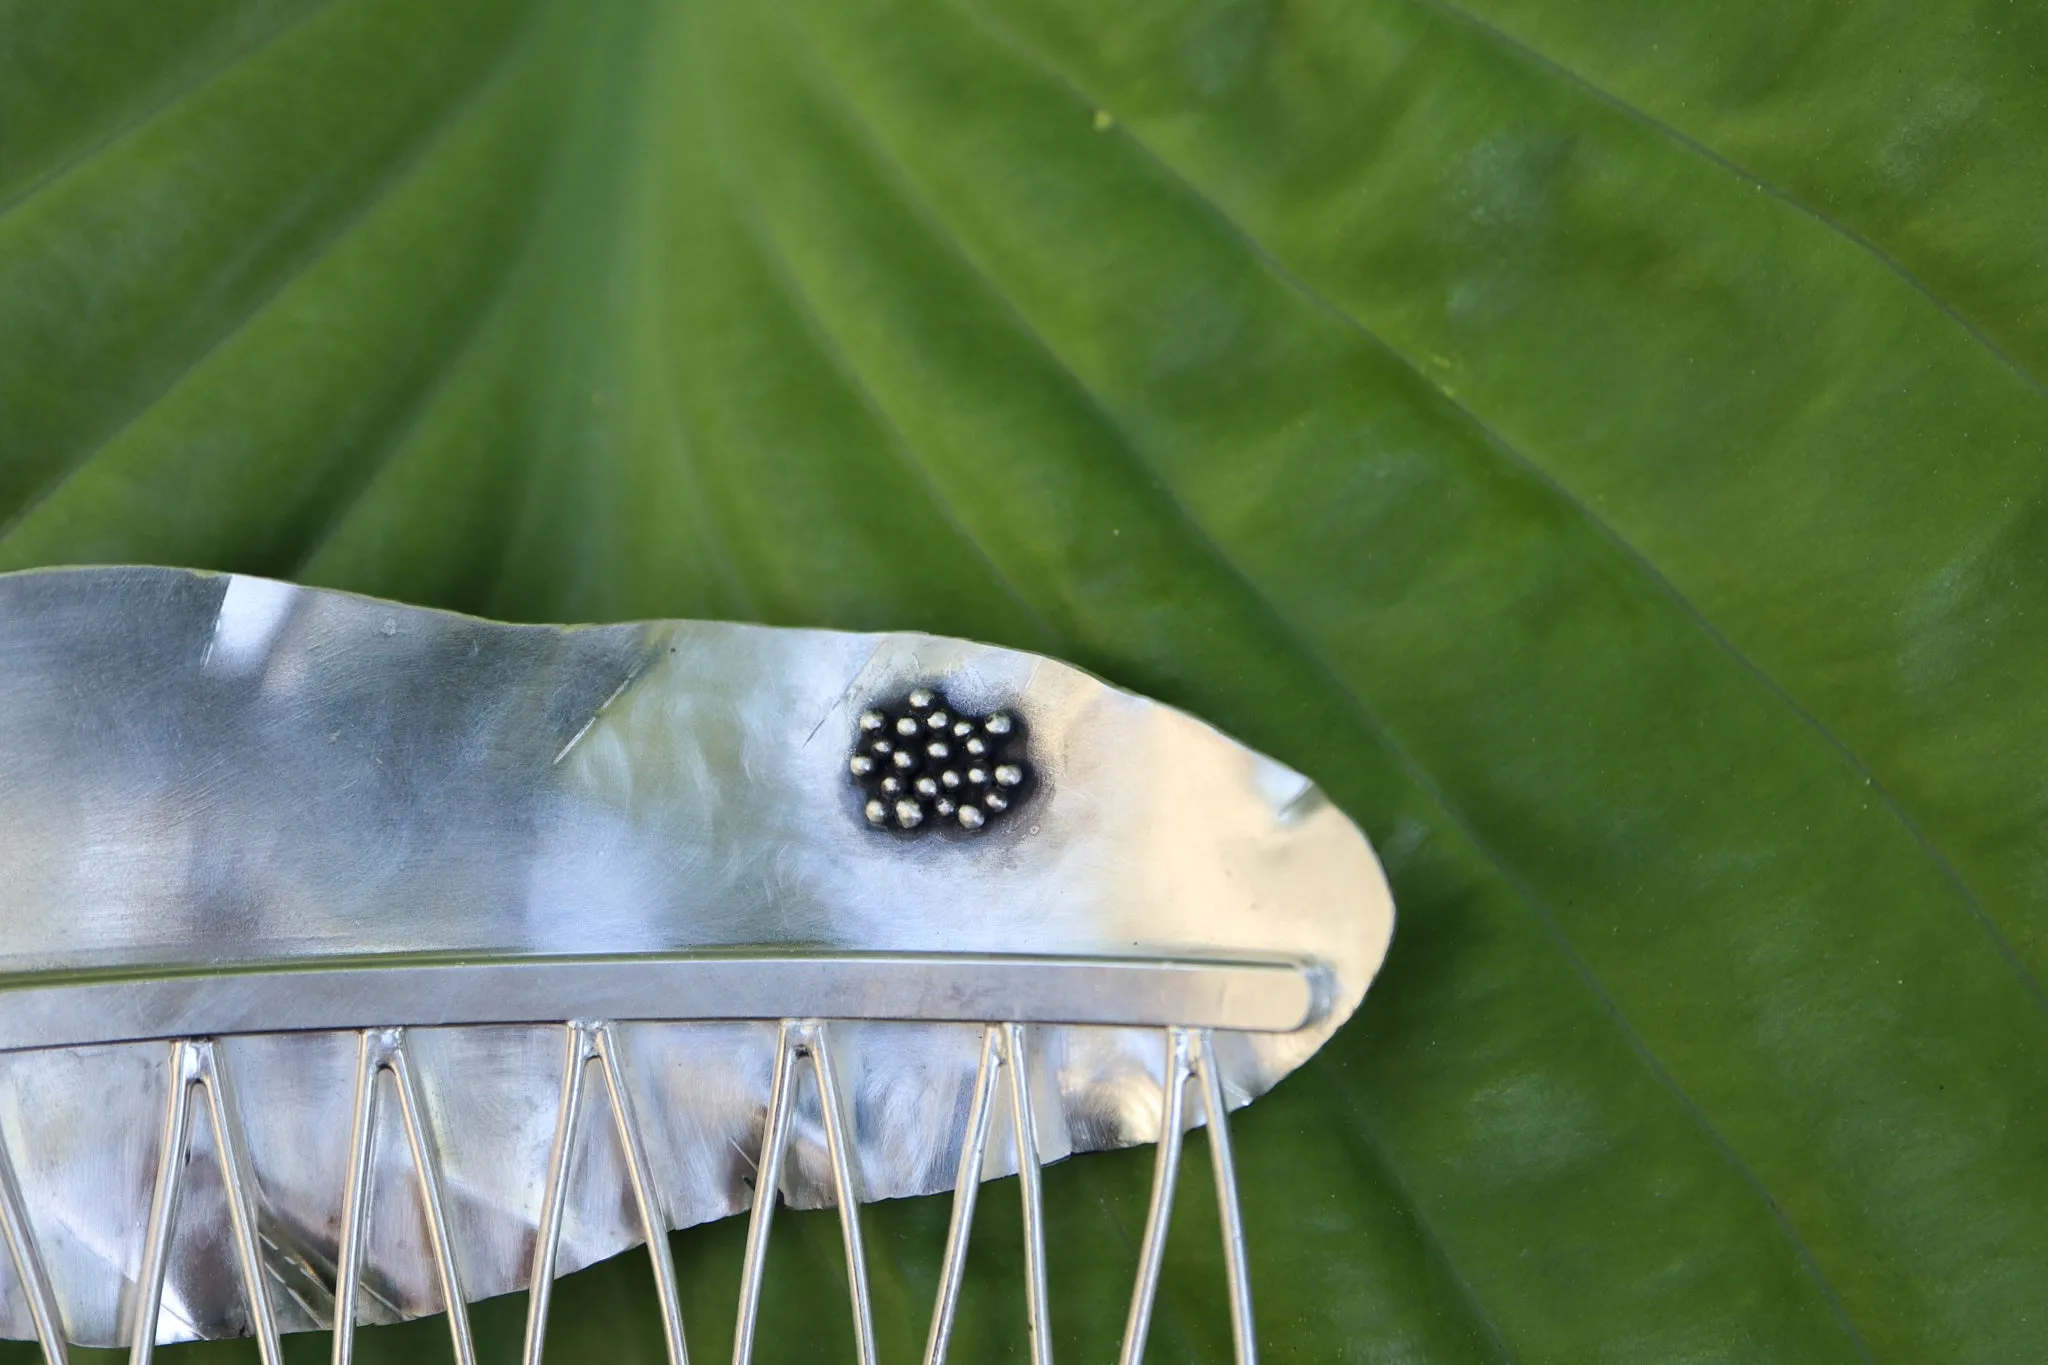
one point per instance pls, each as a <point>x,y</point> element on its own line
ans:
<point>347,851</point>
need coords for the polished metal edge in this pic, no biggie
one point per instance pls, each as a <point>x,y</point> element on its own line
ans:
<point>1256,997</point>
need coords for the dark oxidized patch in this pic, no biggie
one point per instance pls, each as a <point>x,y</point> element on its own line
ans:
<point>922,765</point>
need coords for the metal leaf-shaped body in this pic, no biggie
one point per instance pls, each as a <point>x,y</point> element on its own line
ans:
<point>358,849</point>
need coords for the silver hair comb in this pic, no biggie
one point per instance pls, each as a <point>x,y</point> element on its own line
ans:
<point>312,904</point>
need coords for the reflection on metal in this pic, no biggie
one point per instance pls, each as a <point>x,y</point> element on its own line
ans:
<point>347,850</point>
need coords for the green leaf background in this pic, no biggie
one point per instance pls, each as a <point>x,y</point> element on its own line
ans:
<point>1601,442</point>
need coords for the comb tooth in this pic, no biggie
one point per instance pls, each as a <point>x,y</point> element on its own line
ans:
<point>652,1224</point>
<point>239,1177</point>
<point>588,1043</point>
<point>846,1190</point>
<point>383,1051</point>
<point>28,1265</point>
<point>1235,1269</point>
<point>196,1063</point>
<point>1038,1320</point>
<point>767,1183</point>
<point>163,1208</point>
<point>426,1160</point>
<point>355,1199</point>
<point>966,1187</point>
<point>1165,1174</point>
<point>548,1236</point>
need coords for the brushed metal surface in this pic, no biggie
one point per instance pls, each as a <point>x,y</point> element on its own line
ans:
<point>224,779</point>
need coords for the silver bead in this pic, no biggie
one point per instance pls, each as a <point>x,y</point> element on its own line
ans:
<point>962,729</point>
<point>927,787</point>
<point>976,747</point>
<point>872,720</point>
<point>909,814</point>
<point>950,778</point>
<point>903,759</point>
<point>1009,774</point>
<point>906,726</point>
<point>971,817</point>
<point>997,724</point>
<point>943,806</point>
<point>937,749</point>
<point>937,720</point>
<point>876,812</point>
<point>882,746</point>
<point>978,776</point>
<point>995,802</point>
<point>861,765</point>
<point>920,699</point>
<point>892,786</point>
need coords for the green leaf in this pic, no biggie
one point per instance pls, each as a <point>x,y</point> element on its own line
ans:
<point>1601,443</point>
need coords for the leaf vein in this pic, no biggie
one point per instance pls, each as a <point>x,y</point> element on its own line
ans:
<point>1543,61</point>
<point>450,118</point>
<point>214,73</point>
<point>419,410</point>
<point>754,219</point>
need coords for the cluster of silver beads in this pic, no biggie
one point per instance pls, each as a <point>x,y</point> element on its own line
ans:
<point>921,764</point>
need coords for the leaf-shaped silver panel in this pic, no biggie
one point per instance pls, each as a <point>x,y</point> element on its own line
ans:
<point>275,817</point>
